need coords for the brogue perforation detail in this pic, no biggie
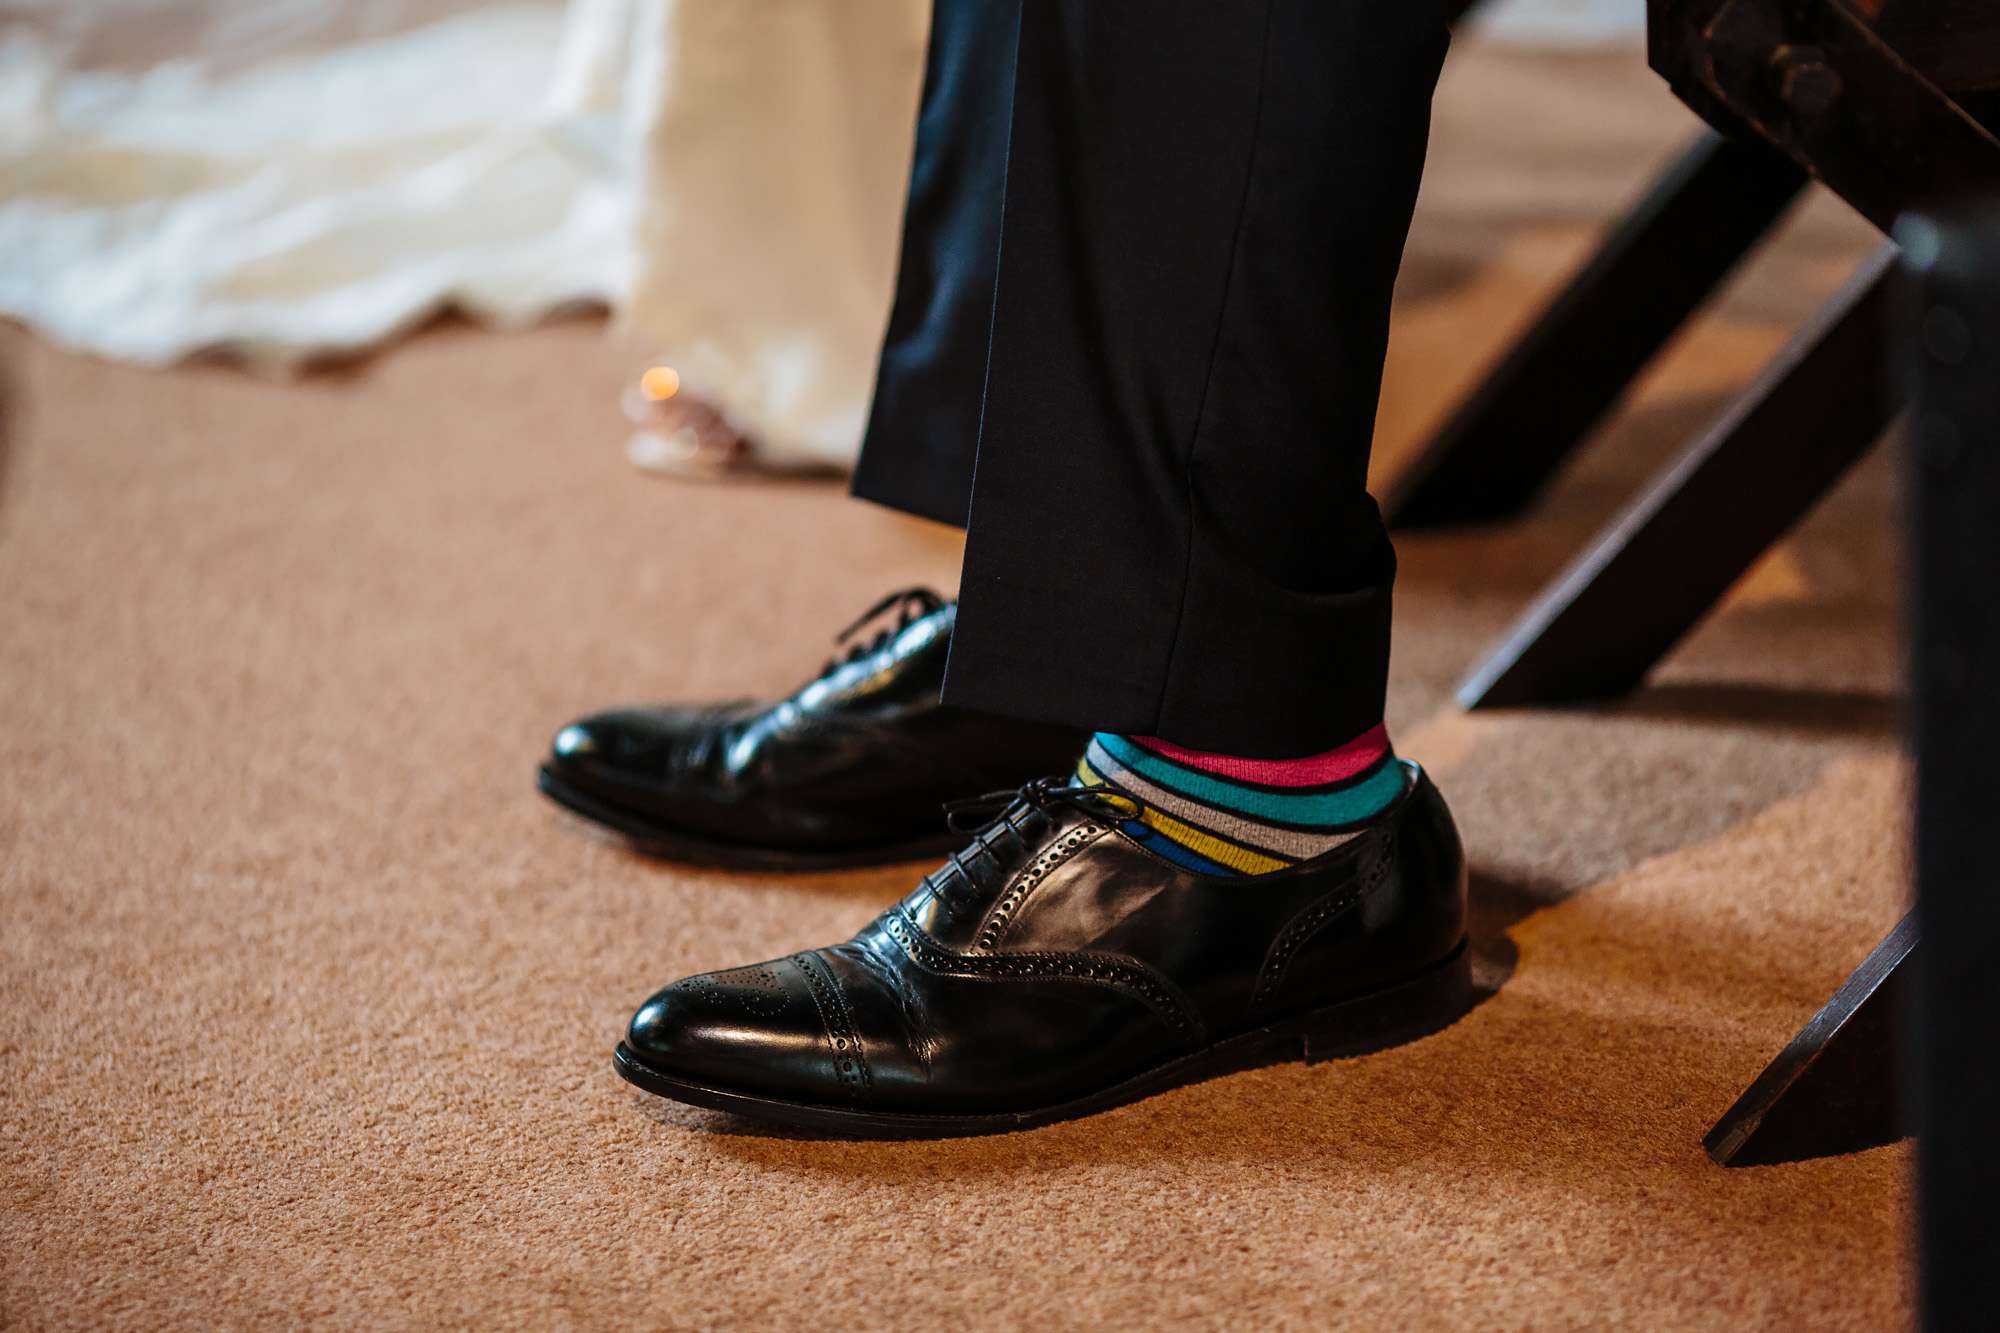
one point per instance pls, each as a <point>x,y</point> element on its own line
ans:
<point>850,1066</point>
<point>1307,923</point>
<point>1101,969</point>
<point>754,990</point>
<point>1003,911</point>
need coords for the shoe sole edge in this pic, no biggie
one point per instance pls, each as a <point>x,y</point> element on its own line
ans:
<point>1418,1006</point>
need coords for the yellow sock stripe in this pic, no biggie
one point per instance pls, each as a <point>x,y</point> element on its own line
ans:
<point>1215,849</point>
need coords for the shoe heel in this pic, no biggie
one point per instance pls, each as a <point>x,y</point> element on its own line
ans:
<point>1428,1002</point>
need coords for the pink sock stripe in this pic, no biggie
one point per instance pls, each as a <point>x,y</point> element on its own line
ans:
<point>1313,770</point>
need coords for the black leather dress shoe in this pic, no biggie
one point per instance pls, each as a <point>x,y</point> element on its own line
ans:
<point>1055,968</point>
<point>852,769</point>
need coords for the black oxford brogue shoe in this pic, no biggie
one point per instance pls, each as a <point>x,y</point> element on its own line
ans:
<point>849,770</point>
<point>1054,967</point>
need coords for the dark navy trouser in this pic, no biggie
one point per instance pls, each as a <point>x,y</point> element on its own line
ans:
<point>1136,349</point>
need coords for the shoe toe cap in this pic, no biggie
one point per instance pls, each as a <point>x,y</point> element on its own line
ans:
<point>752,1029</point>
<point>621,739</point>
<point>576,743</point>
<point>632,758</point>
<point>660,1031</point>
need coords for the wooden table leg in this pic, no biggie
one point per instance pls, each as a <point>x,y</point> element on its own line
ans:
<point>1655,269</point>
<point>1660,567</point>
<point>1833,1089</point>
<point>1953,484</point>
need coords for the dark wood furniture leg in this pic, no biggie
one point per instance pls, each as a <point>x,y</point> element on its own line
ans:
<point>1655,269</point>
<point>1809,77</point>
<point>1839,1086</point>
<point>1662,564</point>
<point>1953,485</point>
<point>1833,1089</point>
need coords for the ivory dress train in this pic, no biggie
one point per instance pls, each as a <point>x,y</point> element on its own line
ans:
<point>727,178</point>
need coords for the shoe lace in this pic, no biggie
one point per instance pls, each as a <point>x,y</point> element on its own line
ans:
<point>1092,799</point>
<point>910,606</point>
<point>1003,809</point>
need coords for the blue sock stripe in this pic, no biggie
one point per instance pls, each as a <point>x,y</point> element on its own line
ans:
<point>1327,809</point>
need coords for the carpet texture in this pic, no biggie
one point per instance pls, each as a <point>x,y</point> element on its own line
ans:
<point>307,1000</point>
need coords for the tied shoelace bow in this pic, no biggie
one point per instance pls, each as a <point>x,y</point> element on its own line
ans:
<point>910,606</point>
<point>995,807</point>
<point>999,809</point>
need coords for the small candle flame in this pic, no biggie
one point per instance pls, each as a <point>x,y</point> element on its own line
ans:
<point>660,383</point>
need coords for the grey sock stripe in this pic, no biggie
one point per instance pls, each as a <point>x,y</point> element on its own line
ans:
<point>1291,843</point>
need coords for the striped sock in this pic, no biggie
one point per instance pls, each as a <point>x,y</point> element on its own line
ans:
<point>1218,814</point>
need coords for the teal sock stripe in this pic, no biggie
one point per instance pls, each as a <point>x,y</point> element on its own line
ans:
<point>1367,797</point>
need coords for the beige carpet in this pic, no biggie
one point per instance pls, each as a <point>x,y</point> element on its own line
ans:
<point>307,1001</point>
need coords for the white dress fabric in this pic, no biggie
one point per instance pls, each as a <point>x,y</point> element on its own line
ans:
<point>727,176</point>
<point>777,156</point>
<point>306,205</point>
